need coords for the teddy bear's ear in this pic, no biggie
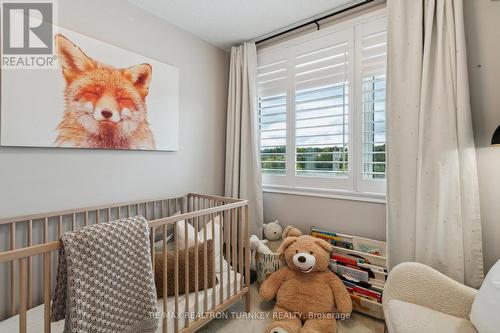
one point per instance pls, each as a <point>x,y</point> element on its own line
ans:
<point>291,231</point>
<point>324,244</point>
<point>286,243</point>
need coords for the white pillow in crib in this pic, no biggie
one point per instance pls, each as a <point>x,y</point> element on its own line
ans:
<point>485,310</point>
<point>181,233</point>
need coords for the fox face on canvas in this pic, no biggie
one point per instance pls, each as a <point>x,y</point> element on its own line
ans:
<point>105,107</point>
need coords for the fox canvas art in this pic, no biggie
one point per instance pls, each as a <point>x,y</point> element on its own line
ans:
<point>105,107</point>
<point>96,96</point>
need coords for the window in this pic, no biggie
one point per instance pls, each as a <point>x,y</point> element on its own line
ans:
<point>321,100</point>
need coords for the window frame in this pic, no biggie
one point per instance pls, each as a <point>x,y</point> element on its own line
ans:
<point>354,187</point>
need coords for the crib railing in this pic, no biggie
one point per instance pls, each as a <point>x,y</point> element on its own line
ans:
<point>24,252</point>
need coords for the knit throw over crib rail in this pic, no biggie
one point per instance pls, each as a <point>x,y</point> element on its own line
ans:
<point>105,280</point>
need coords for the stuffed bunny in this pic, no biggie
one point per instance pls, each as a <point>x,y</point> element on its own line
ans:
<point>259,245</point>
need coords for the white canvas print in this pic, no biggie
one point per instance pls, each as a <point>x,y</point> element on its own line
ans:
<point>99,96</point>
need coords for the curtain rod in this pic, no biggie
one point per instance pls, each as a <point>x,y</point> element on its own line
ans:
<point>315,21</point>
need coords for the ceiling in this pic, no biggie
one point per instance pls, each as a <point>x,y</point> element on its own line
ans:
<point>227,22</point>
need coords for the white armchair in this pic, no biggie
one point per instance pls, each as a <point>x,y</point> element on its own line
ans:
<point>417,298</point>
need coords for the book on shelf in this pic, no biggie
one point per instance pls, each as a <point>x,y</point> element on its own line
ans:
<point>347,259</point>
<point>369,246</point>
<point>379,273</point>
<point>355,289</point>
<point>342,244</point>
<point>368,258</point>
<point>333,238</point>
<point>375,286</point>
<point>324,233</point>
<point>350,273</point>
<point>357,271</point>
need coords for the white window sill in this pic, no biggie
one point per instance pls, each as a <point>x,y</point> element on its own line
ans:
<point>323,193</point>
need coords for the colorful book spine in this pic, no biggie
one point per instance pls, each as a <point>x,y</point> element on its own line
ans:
<point>368,293</point>
<point>333,238</point>
<point>323,232</point>
<point>376,287</point>
<point>345,245</point>
<point>324,237</point>
<point>347,259</point>
<point>373,247</point>
<point>379,273</point>
<point>349,272</point>
<point>371,294</point>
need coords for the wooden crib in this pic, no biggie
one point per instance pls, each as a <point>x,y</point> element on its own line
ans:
<point>29,261</point>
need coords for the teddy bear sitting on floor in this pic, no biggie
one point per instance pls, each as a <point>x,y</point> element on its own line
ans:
<point>308,295</point>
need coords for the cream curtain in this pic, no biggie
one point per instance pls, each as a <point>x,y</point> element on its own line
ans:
<point>432,194</point>
<point>243,176</point>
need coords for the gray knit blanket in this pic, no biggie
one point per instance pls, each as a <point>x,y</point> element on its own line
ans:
<point>105,279</point>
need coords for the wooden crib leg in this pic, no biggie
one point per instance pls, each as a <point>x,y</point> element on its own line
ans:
<point>247,260</point>
<point>247,301</point>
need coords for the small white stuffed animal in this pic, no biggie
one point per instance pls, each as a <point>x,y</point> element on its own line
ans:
<point>259,245</point>
<point>273,230</point>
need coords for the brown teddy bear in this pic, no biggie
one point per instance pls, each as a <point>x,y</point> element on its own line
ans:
<point>308,294</point>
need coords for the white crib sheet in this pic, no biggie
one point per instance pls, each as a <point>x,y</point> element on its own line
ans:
<point>35,315</point>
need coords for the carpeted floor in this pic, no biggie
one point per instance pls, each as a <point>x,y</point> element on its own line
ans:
<point>358,323</point>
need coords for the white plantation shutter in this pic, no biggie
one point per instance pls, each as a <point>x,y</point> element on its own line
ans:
<point>371,38</point>
<point>322,109</point>
<point>272,105</point>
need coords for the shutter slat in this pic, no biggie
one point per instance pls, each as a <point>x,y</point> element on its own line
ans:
<point>326,80</point>
<point>272,67</point>
<point>322,53</point>
<point>332,72</point>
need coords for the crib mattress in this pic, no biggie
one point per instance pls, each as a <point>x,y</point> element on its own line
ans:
<point>35,315</point>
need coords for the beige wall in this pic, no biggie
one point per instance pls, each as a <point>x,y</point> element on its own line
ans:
<point>38,180</point>
<point>344,216</point>
<point>482,19</point>
<point>482,24</point>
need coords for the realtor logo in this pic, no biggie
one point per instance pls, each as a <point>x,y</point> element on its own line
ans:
<point>27,34</point>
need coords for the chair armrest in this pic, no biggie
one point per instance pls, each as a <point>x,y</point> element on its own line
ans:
<point>420,284</point>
